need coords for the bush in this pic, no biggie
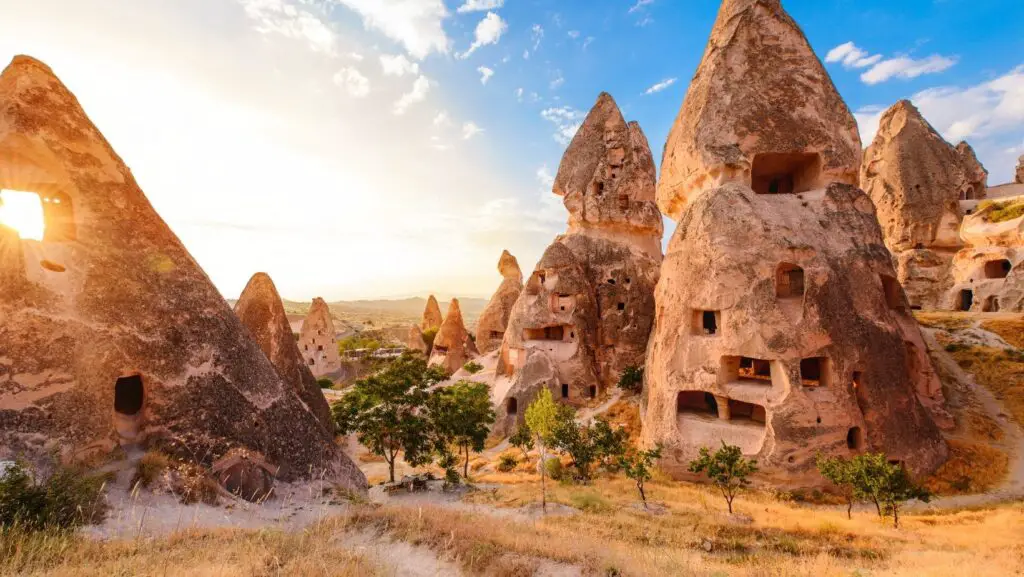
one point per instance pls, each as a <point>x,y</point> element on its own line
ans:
<point>473,367</point>
<point>428,337</point>
<point>150,467</point>
<point>632,379</point>
<point>325,383</point>
<point>507,462</point>
<point>1002,211</point>
<point>68,499</point>
<point>554,469</point>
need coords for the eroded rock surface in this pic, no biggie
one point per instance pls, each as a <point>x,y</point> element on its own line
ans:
<point>432,317</point>
<point>111,333</point>
<point>490,328</point>
<point>1019,177</point>
<point>452,345</point>
<point>986,273</point>
<point>317,340</point>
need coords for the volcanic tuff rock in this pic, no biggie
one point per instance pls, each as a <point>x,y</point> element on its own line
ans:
<point>317,341</point>
<point>111,332</point>
<point>780,326</point>
<point>490,328</point>
<point>986,275</point>
<point>1019,178</point>
<point>720,134</point>
<point>589,303</point>
<point>262,312</point>
<point>452,345</point>
<point>432,317</point>
<point>414,340</point>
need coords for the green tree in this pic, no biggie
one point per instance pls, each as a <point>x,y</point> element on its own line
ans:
<point>610,443</point>
<point>575,440</point>
<point>461,415</point>
<point>428,337</point>
<point>840,472</point>
<point>473,367</point>
<point>869,471</point>
<point>632,379</point>
<point>325,383</point>
<point>541,418</point>
<point>898,488</point>
<point>638,466</point>
<point>522,439</point>
<point>885,484</point>
<point>727,469</point>
<point>384,410</point>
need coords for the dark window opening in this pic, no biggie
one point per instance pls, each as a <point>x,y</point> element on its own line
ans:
<point>696,402</point>
<point>565,390</point>
<point>893,292</point>
<point>991,304</point>
<point>966,299</point>
<point>512,406</point>
<point>997,268</point>
<point>598,188</point>
<point>556,333</point>
<point>320,347</point>
<point>311,362</point>
<point>785,173</point>
<point>128,395</point>
<point>749,369</point>
<point>542,277</point>
<point>740,411</point>
<point>705,322</point>
<point>814,372</point>
<point>628,280</point>
<point>789,281</point>
<point>915,307</point>
<point>593,391</point>
<point>855,439</point>
<point>611,281</point>
<point>440,350</point>
<point>919,246</point>
<point>497,335</point>
<point>622,306</point>
<point>572,335</point>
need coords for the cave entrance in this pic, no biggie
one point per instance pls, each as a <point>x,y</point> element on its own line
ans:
<point>789,281</point>
<point>855,439</point>
<point>697,402</point>
<point>544,334</point>
<point>997,268</point>
<point>966,299</point>
<point>991,304</point>
<point>512,406</point>
<point>129,397</point>
<point>785,173</point>
<point>565,390</point>
<point>740,411</point>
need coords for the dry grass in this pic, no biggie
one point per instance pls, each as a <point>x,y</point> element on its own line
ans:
<point>368,457</point>
<point>971,468</point>
<point>999,371</point>
<point>1010,329</point>
<point>627,415</point>
<point>947,320</point>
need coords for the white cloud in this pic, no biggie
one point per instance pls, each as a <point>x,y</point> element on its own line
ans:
<point>644,21</point>
<point>519,94</point>
<point>661,86</point>
<point>557,80</point>
<point>470,129</point>
<point>526,54</point>
<point>488,31</point>
<point>640,5</point>
<point>292,21</point>
<point>353,82</point>
<point>416,24</point>
<point>419,91</point>
<point>485,74</point>
<point>536,35</point>
<point>851,56</point>
<point>906,67</point>
<point>442,119</point>
<point>574,34</point>
<point>567,121</point>
<point>480,5</point>
<point>398,65</point>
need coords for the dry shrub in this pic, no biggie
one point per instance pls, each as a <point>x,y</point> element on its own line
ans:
<point>971,468</point>
<point>1010,330</point>
<point>368,457</point>
<point>150,467</point>
<point>945,320</point>
<point>191,484</point>
<point>1000,371</point>
<point>625,414</point>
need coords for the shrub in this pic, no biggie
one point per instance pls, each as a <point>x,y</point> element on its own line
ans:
<point>325,383</point>
<point>632,379</point>
<point>428,337</point>
<point>507,462</point>
<point>553,467</point>
<point>473,367</point>
<point>68,499</point>
<point>522,439</point>
<point>726,468</point>
<point>1002,211</point>
<point>150,467</point>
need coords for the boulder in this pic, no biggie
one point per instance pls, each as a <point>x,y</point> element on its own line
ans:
<point>490,328</point>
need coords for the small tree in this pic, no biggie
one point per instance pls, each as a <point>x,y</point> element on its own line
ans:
<point>637,465</point>
<point>325,383</point>
<point>473,367</point>
<point>869,472</point>
<point>727,469</point>
<point>610,443</point>
<point>541,418</point>
<point>898,488</point>
<point>574,440</point>
<point>632,379</point>
<point>462,415</point>
<point>384,411</point>
<point>522,439</point>
<point>428,337</point>
<point>885,484</point>
<point>841,473</point>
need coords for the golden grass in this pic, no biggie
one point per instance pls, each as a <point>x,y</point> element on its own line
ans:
<point>948,320</point>
<point>999,371</point>
<point>627,415</point>
<point>1010,329</point>
<point>971,468</point>
<point>368,457</point>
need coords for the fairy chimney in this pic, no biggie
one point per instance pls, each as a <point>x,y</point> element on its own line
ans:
<point>452,345</point>
<point>490,328</point>
<point>317,340</point>
<point>414,340</point>
<point>1019,177</point>
<point>780,326</point>
<point>112,334</point>
<point>432,317</point>
<point>262,312</point>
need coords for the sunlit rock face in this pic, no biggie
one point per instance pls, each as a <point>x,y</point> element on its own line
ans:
<point>432,317</point>
<point>317,340</point>
<point>490,328</point>
<point>917,180</point>
<point>414,340</point>
<point>111,333</point>
<point>261,311</point>
<point>452,346</point>
<point>588,305</point>
<point>986,273</point>
<point>780,326</point>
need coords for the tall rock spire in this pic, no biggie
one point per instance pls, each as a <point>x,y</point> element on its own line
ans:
<point>432,317</point>
<point>490,327</point>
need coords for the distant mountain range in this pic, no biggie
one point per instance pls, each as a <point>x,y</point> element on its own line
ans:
<point>387,309</point>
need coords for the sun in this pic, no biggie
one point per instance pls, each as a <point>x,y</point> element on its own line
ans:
<point>22,211</point>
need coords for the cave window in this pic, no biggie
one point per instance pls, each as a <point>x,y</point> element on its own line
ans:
<point>740,411</point>
<point>893,292</point>
<point>565,390</point>
<point>966,299</point>
<point>572,335</point>
<point>598,188</point>
<point>628,280</point>
<point>855,439</point>
<point>785,173</point>
<point>622,306</point>
<point>512,406</point>
<point>705,322</point>
<point>814,372</point>
<point>320,347</point>
<point>128,395</point>
<point>497,335</point>
<point>997,268</point>
<point>542,277</point>
<point>556,333</point>
<point>919,246</point>
<point>746,369</point>
<point>593,391</point>
<point>991,304</point>
<point>311,362</point>
<point>696,402</point>
<point>789,281</point>
<point>440,350</point>
<point>611,281</point>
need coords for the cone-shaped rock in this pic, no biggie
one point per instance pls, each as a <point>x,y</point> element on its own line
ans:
<point>118,336</point>
<point>975,175</point>
<point>490,328</point>
<point>588,306</point>
<point>262,312</point>
<point>317,341</point>
<point>414,340</point>
<point>452,345</point>
<point>432,317</point>
<point>761,110</point>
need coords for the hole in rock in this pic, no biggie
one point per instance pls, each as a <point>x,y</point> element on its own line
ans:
<point>855,439</point>
<point>696,402</point>
<point>997,268</point>
<point>789,281</point>
<point>966,300</point>
<point>512,406</point>
<point>785,173</point>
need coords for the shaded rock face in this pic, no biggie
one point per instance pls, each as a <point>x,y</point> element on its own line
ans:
<point>773,132</point>
<point>490,328</point>
<point>588,305</point>
<point>916,180</point>
<point>317,341</point>
<point>1019,178</point>
<point>432,317</point>
<point>414,340</point>
<point>780,326</point>
<point>261,311</point>
<point>112,334</point>
<point>452,345</point>
<point>986,274</point>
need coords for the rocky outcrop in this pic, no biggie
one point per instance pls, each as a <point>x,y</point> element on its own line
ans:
<point>261,311</point>
<point>452,345</point>
<point>490,328</point>
<point>986,274</point>
<point>1019,176</point>
<point>975,175</point>
<point>317,341</point>
<point>780,325</point>
<point>744,137</point>
<point>432,317</point>
<point>588,305</point>
<point>414,340</point>
<point>111,333</point>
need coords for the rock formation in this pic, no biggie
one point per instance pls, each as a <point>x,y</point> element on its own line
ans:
<point>452,345</point>
<point>916,180</point>
<point>986,275</point>
<point>432,317</point>
<point>261,311</point>
<point>588,305</point>
<point>111,333</point>
<point>490,328</point>
<point>317,341</point>
<point>780,326</point>
<point>414,341</point>
<point>1019,177</point>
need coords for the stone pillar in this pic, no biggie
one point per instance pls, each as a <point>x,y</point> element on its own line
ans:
<point>723,408</point>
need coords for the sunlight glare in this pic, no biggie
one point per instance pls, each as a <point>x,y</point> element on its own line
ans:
<point>22,211</point>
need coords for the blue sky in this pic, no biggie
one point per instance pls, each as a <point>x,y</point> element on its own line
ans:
<point>362,148</point>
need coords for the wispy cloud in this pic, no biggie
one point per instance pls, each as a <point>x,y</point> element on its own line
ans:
<point>488,31</point>
<point>353,82</point>
<point>567,121</point>
<point>881,69</point>
<point>480,5</point>
<point>398,65</point>
<point>416,24</point>
<point>557,80</point>
<point>660,86</point>
<point>420,88</point>
<point>851,56</point>
<point>640,5</point>
<point>293,21</point>
<point>485,74</point>
<point>470,129</point>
